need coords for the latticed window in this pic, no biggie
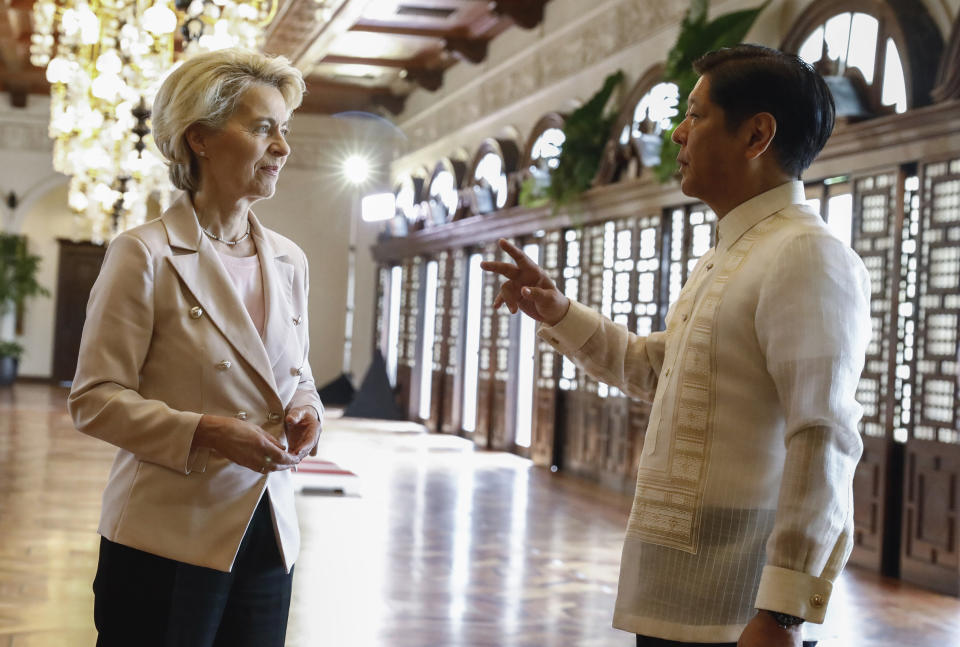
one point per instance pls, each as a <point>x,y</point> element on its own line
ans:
<point>490,175</point>
<point>443,197</point>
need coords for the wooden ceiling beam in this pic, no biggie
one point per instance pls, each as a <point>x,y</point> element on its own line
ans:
<point>525,13</point>
<point>418,62</point>
<point>328,97</point>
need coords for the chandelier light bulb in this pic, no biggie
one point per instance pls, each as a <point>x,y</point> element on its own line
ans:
<point>159,19</point>
<point>109,62</point>
<point>89,25</point>
<point>106,87</point>
<point>58,70</point>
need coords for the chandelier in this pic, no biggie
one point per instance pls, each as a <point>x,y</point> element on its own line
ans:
<point>105,61</point>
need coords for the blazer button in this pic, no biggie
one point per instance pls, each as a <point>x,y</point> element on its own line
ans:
<point>709,266</point>
<point>224,365</point>
<point>297,320</point>
<point>683,317</point>
<point>273,417</point>
<point>196,312</point>
<point>241,415</point>
<point>296,371</point>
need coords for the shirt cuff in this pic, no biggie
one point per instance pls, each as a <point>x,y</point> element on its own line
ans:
<point>794,593</point>
<point>572,332</point>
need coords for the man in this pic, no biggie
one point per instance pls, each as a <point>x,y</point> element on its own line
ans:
<point>743,511</point>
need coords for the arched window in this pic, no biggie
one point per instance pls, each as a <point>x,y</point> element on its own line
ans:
<point>638,131</point>
<point>874,54</point>
<point>407,193</point>
<point>443,195</point>
<point>543,152</point>
<point>494,162</point>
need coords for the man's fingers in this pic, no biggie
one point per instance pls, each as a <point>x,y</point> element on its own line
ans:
<point>539,295</point>
<point>515,253</point>
<point>508,270</point>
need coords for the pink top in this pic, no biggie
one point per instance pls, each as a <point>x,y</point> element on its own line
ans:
<point>245,274</point>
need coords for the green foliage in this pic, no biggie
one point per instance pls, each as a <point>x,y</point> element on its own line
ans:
<point>586,131</point>
<point>531,195</point>
<point>10,349</point>
<point>697,37</point>
<point>18,273</point>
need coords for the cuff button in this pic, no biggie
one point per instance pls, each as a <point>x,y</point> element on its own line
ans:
<point>816,601</point>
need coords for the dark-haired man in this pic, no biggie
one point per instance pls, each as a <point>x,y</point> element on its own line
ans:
<point>742,517</point>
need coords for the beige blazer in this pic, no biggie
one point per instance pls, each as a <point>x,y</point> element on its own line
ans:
<point>166,340</point>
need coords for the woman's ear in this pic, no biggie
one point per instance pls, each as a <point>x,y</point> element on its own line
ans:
<point>761,129</point>
<point>197,140</point>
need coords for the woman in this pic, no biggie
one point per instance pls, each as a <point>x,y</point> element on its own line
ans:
<point>193,362</point>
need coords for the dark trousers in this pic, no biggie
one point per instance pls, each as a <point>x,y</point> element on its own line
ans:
<point>149,601</point>
<point>646,641</point>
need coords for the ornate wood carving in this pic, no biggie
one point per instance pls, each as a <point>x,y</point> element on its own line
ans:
<point>877,225</point>
<point>929,555</point>
<point>948,76</point>
<point>915,33</point>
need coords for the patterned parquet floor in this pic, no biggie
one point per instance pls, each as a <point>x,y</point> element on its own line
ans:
<point>436,546</point>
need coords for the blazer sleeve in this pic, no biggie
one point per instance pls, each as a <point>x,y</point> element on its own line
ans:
<point>104,400</point>
<point>306,393</point>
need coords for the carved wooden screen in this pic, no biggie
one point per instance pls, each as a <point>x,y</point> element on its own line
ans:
<point>409,313</point>
<point>692,231</point>
<point>876,238</point>
<point>441,345</point>
<point>929,553</point>
<point>379,312</point>
<point>488,341</point>
<point>499,428</point>
<point>646,295</point>
<point>584,406</point>
<point>548,365</point>
<point>452,327</point>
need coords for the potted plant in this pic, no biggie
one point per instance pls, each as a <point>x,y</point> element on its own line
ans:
<point>18,282</point>
<point>10,353</point>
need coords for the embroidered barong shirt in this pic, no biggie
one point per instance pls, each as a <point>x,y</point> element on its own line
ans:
<point>745,482</point>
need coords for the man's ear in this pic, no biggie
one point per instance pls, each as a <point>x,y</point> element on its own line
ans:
<point>760,130</point>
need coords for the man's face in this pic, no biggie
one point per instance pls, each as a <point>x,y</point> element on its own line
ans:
<point>711,157</point>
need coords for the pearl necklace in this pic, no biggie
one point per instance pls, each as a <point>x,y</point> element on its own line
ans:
<point>227,242</point>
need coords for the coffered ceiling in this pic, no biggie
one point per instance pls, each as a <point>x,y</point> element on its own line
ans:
<point>366,55</point>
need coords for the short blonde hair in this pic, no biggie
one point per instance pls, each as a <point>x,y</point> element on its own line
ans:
<point>205,90</point>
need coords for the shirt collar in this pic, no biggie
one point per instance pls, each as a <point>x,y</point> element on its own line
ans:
<point>743,217</point>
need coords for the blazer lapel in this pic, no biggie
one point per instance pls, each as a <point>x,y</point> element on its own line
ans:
<point>277,293</point>
<point>202,272</point>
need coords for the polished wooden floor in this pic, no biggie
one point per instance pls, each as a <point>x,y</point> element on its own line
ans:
<point>434,545</point>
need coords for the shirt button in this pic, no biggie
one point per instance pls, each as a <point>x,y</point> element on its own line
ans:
<point>241,415</point>
<point>196,312</point>
<point>297,320</point>
<point>816,600</point>
<point>224,365</point>
<point>709,266</point>
<point>296,371</point>
<point>273,417</point>
<point>683,317</point>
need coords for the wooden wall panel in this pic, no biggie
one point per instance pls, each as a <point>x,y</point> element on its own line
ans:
<point>488,330</point>
<point>877,225</point>
<point>542,440</point>
<point>929,555</point>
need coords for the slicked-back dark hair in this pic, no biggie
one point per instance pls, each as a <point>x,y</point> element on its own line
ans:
<point>749,79</point>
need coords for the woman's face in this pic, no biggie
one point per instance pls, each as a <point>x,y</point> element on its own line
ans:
<point>243,159</point>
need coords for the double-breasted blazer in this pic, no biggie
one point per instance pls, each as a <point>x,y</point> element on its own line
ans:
<point>166,340</point>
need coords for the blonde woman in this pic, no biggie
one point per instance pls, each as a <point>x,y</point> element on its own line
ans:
<point>194,364</point>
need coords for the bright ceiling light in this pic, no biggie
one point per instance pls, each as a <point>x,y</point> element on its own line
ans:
<point>378,207</point>
<point>356,169</point>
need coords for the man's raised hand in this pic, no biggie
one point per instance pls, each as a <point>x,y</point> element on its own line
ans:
<point>527,287</point>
